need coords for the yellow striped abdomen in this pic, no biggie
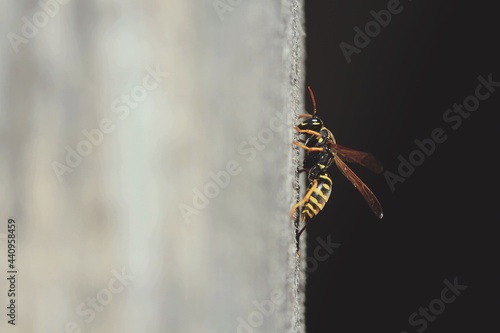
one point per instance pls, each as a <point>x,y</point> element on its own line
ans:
<point>316,196</point>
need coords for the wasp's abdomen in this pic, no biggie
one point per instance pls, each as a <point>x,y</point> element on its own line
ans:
<point>319,190</point>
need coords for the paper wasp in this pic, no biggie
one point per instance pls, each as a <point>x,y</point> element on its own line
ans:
<point>322,151</point>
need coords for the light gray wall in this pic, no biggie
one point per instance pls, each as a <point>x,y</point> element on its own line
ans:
<point>157,98</point>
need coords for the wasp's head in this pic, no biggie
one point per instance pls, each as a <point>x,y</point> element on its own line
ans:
<point>313,123</point>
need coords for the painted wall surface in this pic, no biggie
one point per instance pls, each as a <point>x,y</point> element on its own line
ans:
<point>146,166</point>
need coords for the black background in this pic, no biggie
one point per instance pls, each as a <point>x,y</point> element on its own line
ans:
<point>440,222</point>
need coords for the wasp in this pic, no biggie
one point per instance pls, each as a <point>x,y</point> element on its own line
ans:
<point>322,151</point>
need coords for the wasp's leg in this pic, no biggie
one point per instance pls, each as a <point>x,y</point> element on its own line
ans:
<point>303,170</point>
<point>307,131</point>
<point>301,230</point>
<point>301,145</point>
<point>305,199</point>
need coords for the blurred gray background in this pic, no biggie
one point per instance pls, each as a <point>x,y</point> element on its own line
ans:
<point>146,159</point>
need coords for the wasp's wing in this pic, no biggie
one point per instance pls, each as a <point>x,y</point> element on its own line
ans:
<point>370,198</point>
<point>353,156</point>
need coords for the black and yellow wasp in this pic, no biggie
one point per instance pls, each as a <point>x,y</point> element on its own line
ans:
<point>322,151</point>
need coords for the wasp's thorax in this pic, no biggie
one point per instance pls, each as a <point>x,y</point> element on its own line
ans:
<point>320,163</point>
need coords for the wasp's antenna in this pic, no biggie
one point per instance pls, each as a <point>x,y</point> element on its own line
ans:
<point>313,99</point>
